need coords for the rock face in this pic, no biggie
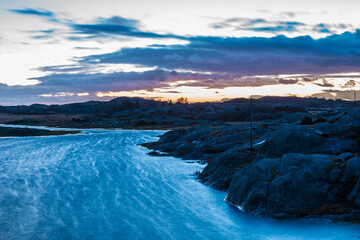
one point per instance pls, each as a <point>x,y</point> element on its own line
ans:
<point>299,171</point>
<point>296,184</point>
<point>303,139</point>
<point>352,175</point>
<point>220,171</point>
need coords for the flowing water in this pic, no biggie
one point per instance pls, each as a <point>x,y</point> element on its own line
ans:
<point>102,185</point>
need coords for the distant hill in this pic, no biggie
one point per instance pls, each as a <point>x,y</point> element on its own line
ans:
<point>126,112</point>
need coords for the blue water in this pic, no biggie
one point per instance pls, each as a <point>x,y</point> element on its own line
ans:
<point>102,185</point>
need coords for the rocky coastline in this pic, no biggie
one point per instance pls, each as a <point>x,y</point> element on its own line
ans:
<point>304,168</point>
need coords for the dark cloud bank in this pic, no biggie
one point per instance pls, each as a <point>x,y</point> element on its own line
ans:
<point>224,59</point>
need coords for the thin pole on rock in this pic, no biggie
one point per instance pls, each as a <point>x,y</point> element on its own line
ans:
<point>355,98</point>
<point>251,123</point>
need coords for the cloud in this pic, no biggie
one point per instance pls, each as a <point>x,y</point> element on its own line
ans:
<point>100,28</point>
<point>50,16</point>
<point>339,75</point>
<point>323,28</point>
<point>63,87</point>
<point>11,95</point>
<point>288,81</point>
<point>31,11</point>
<point>114,26</point>
<point>276,26</point>
<point>325,83</point>
<point>48,31</point>
<point>230,22</point>
<point>98,82</point>
<point>226,62</point>
<point>340,94</point>
<point>309,79</point>
<point>330,28</point>
<point>176,92</point>
<point>324,95</point>
<point>350,84</point>
<point>86,48</point>
<point>257,25</point>
<point>41,37</point>
<point>224,81</point>
<point>292,14</point>
<point>246,56</point>
<point>116,81</point>
<point>210,61</point>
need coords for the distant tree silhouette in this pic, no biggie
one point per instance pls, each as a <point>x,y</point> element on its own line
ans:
<point>182,100</point>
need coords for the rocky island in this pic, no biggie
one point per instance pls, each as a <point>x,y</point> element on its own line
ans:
<point>25,131</point>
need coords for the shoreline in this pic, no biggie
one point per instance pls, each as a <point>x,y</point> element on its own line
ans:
<point>225,150</point>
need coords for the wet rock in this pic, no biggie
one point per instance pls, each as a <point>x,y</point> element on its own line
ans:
<point>158,154</point>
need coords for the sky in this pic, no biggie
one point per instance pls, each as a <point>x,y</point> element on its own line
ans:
<point>79,50</point>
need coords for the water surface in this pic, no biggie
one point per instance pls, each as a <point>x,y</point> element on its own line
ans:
<point>102,185</point>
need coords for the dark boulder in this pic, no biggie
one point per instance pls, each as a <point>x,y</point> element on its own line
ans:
<point>289,139</point>
<point>349,117</point>
<point>302,139</point>
<point>351,179</point>
<point>171,136</point>
<point>295,185</point>
<point>332,129</point>
<point>249,187</point>
<point>219,172</point>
